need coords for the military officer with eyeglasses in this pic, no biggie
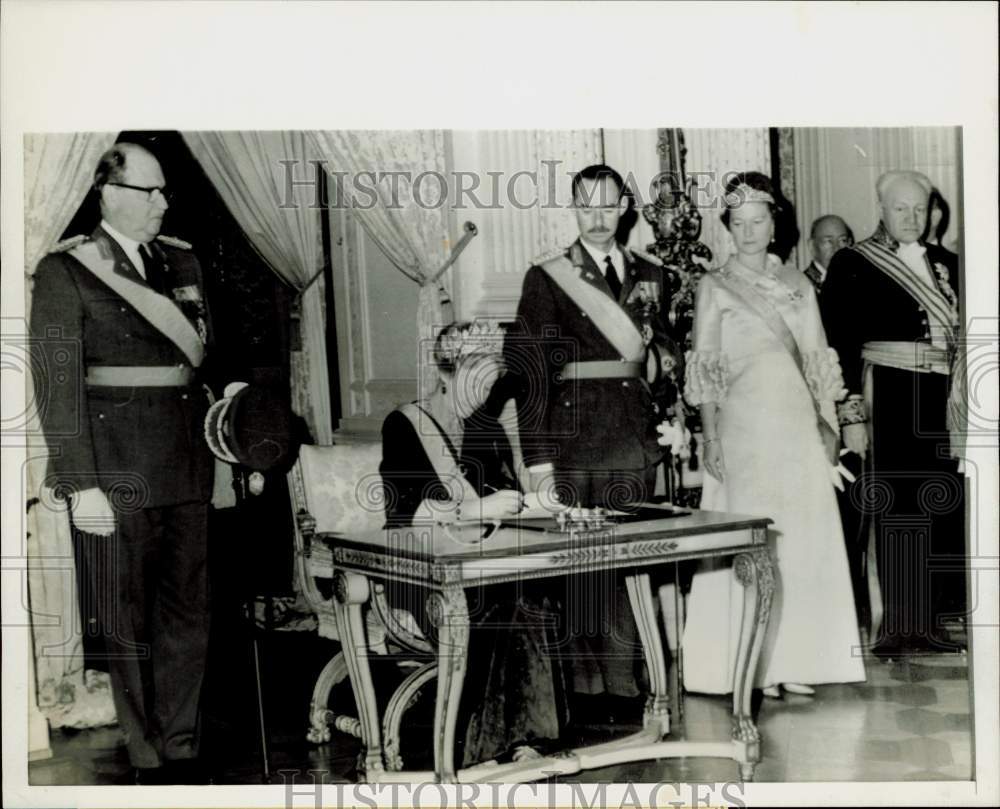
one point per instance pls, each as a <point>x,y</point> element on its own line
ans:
<point>123,421</point>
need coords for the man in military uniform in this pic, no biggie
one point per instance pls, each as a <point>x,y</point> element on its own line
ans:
<point>591,327</point>
<point>890,308</point>
<point>124,426</point>
<point>589,339</point>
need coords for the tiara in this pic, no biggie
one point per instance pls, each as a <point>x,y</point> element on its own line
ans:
<point>481,337</point>
<point>746,193</point>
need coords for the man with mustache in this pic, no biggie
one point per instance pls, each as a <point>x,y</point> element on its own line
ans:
<point>591,326</point>
<point>123,419</point>
<point>890,308</point>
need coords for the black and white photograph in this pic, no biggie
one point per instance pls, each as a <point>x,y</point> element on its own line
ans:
<point>418,427</point>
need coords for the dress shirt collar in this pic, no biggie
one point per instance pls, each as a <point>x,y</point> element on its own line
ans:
<point>130,246</point>
<point>911,251</point>
<point>617,259</point>
<point>820,269</point>
<point>912,255</point>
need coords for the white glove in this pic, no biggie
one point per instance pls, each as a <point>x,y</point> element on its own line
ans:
<point>92,512</point>
<point>840,473</point>
<point>675,435</point>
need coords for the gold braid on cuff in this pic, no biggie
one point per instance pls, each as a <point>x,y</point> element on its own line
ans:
<point>851,411</point>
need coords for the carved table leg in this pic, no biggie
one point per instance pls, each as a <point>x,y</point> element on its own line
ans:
<point>352,592</point>
<point>755,572</point>
<point>640,596</point>
<point>320,716</point>
<point>449,613</point>
<point>403,698</point>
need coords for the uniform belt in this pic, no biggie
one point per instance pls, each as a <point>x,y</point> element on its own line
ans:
<point>601,369</point>
<point>920,357</point>
<point>140,376</point>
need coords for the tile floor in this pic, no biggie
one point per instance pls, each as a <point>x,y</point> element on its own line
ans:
<point>909,721</point>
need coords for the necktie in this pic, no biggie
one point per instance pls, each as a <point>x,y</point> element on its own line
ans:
<point>611,276</point>
<point>153,269</point>
<point>813,275</point>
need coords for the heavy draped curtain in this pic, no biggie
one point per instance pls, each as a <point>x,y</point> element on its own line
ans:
<point>409,219</point>
<point>58,171</point>
<point>250,170</point>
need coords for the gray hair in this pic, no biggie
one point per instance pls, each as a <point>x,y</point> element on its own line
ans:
<point>889,177</point>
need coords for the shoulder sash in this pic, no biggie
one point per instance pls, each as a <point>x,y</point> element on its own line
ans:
<point>939,309</point>
<point>161,312</point>
<point>656,261</point>
<point>437,448</point>
<point>610,319</point>
<point>776,323</point>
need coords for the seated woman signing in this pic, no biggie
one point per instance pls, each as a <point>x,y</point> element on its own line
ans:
<point>447,459</point>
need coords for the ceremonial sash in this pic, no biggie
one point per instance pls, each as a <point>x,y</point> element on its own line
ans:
<point>829,436</point>
<point>939,309</point>
<point>438,451</point>
<point>942,315</point>
<point>161,312</point>
<point>605,313</point>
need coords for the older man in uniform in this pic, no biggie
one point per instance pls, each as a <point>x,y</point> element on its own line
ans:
<point>591,329</point>
<point>125,431</point>
<point>890,307</point>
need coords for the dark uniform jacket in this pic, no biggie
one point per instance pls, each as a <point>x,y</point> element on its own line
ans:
<point>593,424</point>
<point>815,275</point>
<point>860,303</point>
<point>143,446</point>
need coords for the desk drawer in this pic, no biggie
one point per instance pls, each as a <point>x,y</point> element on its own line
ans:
<point>699,544</point>
<point>598,556</point>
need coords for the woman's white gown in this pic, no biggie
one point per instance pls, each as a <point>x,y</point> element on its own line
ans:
<point>775,466</point>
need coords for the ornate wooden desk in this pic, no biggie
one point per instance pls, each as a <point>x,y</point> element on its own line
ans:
<point>445,564</point>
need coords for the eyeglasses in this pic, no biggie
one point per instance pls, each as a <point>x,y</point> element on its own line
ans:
<point>168,196</point>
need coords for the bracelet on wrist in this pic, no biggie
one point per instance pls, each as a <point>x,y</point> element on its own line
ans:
<point>851,411</point>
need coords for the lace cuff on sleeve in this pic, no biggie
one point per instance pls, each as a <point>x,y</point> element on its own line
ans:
<point>706,377</point>
<point>822,371</point>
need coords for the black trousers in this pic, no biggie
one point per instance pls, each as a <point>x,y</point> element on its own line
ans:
<point>149,582</point>
<point>600,633</point>
<point>916,499</point>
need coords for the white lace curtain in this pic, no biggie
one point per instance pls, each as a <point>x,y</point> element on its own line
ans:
<point>58,171</point>
<point>410,220</point>
<point>250,172</point>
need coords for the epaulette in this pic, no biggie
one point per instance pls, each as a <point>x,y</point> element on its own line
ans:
<point>554,253</point>
<point>647,256</point>
<point>70,243</point>
<point>173,241</point>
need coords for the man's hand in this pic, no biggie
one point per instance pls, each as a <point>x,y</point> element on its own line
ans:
<point>539,476</point>
<point>92,512</point>
<point>856,438</point>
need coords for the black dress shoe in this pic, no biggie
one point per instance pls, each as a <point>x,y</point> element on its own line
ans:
<point>150,776</point>
<point>186,772</point>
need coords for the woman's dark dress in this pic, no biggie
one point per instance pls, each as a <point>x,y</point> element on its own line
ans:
<point>514,691</point>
